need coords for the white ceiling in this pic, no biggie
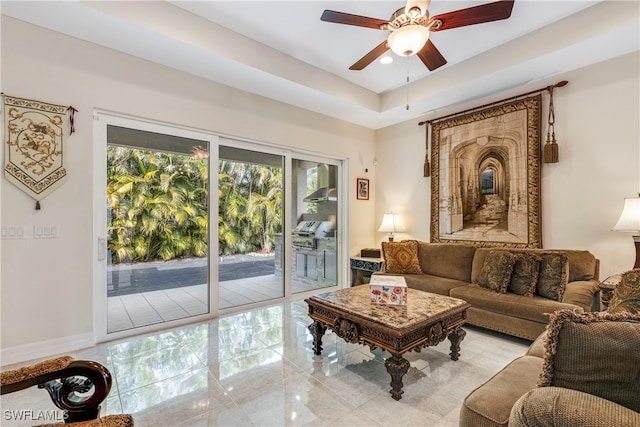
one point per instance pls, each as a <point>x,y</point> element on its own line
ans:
<point>281,49</point>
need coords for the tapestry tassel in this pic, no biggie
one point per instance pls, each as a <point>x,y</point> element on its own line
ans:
<point>37,205</point>
<point>72,127</point>
<point>550,151</point>
<point>427,166</point>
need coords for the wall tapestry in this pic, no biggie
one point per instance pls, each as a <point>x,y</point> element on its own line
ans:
<point>34,146</point>
<point>485,176</point>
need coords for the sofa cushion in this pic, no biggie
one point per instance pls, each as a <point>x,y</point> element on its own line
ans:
<point>535,308</point>
<point>596,353</point>
<point>554,275</point>
<point>583,265</point>
<point>626,296</point>
<point>525,274</point>
<point>479,258</point>
<point>491,403</point>
<point>556,406</point>
<point>401,257</point>
<point>581,293</point>
<point>433,284</point>
<point>446,260</point>
<point>496,271</point>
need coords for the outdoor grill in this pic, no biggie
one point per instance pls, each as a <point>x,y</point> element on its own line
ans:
<point>306,233</point>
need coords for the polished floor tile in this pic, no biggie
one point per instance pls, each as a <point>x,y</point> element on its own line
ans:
<point>257,368</point>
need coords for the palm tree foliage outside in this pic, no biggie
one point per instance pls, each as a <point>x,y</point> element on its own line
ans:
<point>250,204</point>
<point>158,204</point>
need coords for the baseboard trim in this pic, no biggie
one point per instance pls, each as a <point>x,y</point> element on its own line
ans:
<point>47,348</point>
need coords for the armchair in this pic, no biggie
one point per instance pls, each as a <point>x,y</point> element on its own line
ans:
<point>590,374</point>
<point>77,387</point>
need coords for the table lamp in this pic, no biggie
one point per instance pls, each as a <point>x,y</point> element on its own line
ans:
<point>629,221</point>
<point>391,223</point>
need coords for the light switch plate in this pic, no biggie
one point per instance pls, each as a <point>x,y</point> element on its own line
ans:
<point>13,232</point>
<point>46,232</point>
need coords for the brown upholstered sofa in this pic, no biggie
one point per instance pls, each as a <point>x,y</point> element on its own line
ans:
<point>454,270</point>
<point>584,370</point>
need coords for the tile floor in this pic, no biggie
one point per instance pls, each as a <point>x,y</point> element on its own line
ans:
<point>257,368</point>
<point>148,308</point>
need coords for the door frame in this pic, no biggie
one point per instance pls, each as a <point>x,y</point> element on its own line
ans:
<point>101,119</point>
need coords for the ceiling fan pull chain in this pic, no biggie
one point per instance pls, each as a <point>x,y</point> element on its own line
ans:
<point>407,83</point>
<point>550,151</point>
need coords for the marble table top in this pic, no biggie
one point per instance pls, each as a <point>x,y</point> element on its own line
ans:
<point>420,306</point>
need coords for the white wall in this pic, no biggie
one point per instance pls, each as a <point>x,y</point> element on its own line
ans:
<point>598,132</point>
<point>46,285</point>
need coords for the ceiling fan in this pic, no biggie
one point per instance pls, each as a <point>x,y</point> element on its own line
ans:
<point>409,28</point>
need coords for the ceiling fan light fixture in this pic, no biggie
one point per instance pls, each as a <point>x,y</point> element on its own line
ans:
<point>408,39</point>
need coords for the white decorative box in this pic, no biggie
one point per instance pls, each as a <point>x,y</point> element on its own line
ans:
<point>388,290</point>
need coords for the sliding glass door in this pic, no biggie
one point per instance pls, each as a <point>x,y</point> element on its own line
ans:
<point>250,224</point>
<point>314,238</point>
<point>157,228</point>
<point>190,225</point>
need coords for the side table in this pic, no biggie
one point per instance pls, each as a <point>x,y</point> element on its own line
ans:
<point>362,267</point>
<point>607,286</point>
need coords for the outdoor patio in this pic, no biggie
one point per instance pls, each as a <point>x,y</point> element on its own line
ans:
<point>131,310</point>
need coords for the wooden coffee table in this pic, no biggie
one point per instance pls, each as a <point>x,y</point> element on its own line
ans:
<point>426,320</point>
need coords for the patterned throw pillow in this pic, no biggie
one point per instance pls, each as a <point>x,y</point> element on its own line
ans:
<point>401,257</point>
<point>595,353</point>
<point>626,297</point>
<point>554,275</point>
<point>496,271</point>
<point>525,274</point>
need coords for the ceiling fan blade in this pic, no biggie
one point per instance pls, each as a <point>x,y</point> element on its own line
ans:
<point>431,56</point>
<point>370,57</point>
<point>349,19</point>
<point>474,15</point>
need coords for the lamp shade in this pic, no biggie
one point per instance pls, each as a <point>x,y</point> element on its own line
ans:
<point>391,223</point>
<point>408,40</point>
<point>630,217</point>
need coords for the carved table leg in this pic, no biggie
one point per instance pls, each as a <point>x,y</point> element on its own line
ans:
<point>396,366</point>
<point>317,330</point>
<point>456,338</point>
